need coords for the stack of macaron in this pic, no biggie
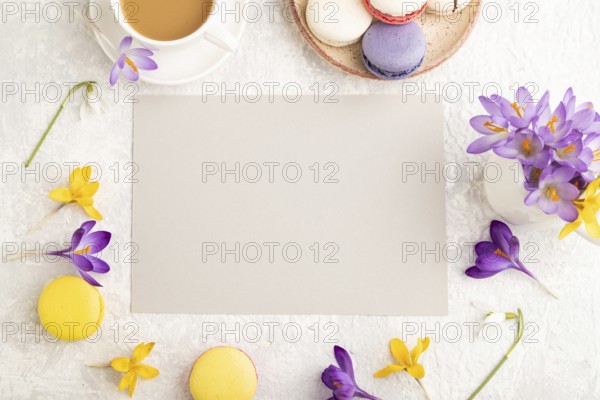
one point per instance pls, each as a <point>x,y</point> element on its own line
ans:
<point>392,48</point>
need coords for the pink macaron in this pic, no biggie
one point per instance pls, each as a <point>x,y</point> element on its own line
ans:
<point>396,12</point>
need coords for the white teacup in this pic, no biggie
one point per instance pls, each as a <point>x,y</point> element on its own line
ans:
<point>212,30</point>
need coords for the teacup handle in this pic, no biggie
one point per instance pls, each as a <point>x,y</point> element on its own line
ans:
<point>221,38</point>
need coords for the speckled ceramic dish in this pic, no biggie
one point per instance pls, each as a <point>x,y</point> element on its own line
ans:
<point>444,36</point>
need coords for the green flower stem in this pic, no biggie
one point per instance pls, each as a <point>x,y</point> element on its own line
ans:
<point>520,328</point>
<point>60,108</point>
<point>424,390</point>
<point>46,218</point>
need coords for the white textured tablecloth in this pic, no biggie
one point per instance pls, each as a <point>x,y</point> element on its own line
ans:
<point>561,358</point>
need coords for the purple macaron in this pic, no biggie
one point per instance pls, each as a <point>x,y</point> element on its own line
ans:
<point>393,51</point>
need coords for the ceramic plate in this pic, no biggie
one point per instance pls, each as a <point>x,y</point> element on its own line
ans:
<point>444,36</point>
<point>175,65</point>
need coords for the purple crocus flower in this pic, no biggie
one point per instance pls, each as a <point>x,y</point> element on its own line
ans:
<point>573,153</point>
<point>556,193</point>
<point>592,143</point>
<point>527,147</point>
<point>494,126</point>
<point>554,128</point>
<point>341,380</point>
<point>131,61</point>
<point>84,246</point>
<point>501,254</point>
<point>584,118</point>
<point>524,110</point>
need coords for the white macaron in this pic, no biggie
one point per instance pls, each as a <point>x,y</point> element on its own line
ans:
<point>338,23</point>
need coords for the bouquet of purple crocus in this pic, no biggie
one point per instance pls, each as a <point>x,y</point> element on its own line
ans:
<point>559,150</point>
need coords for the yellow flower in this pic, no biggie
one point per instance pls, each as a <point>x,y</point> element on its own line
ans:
<point>81,191</point>
<point>588,209</point>
<point>133,368</point>
<point>406,361</point>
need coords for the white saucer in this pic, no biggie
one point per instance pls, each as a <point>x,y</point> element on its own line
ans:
<point>176,66</point>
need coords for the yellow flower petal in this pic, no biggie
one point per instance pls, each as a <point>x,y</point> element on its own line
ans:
<point>76,180</point>
<point>400,352</point>
<point>92,212</point>
<point>126,380</point>
<point>84,201</point>
<point>141,351</point>
<point>132,385</point>
<point>387,371</point>
<point>592,188</point>
<point>145,371</point>
<point>593,229</point>
<point>569,228</point>
<point>86,173</point>
<point>120,364</point>
<point>416,371</point>
<point>419,349</point>
<point>62,195</point>
<point>88,190</point>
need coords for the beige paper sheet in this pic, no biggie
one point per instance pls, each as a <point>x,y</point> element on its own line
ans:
<point>277,207</point>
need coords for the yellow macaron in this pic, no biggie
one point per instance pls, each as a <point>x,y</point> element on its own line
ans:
<point>71,309</point>
<point>223,373</point>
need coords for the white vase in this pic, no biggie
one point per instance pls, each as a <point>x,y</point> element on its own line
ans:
<point>503,182</point>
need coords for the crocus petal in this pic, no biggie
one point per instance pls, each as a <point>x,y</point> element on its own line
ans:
<point>419,349</point>
<point>334,378</point>
<point>476,273</point>
<point>344,361</point>
<point>76,238</point>
<point>88,278</point>
<point>114,74</point>
<point>121,61</point>
<point>125,44</point>
<point>387,371</point>
<point>501,235</point>
<point>400,352</point>
<point>488,125</point>
<point>486,143</point>
<point>62,195</point>
<point>144,63</point>
<point>92,212</point>
<point>564,174</point>
<point>567,211</point>
<point>140,52</point>
<point>493,262</point>
<point>96,242</point>
<point>145,371</point>
<point>130,74</point>
<point>583,119</point>
<point>88,226</point>
<point>514,248</point>
<point>567,191</point>
<point>570,228</point>
<point>132,385</point>
<point>99,266</point>
<point>120,364</point>
<point>89,190</point>
<point>84,201</point>
<point>142,351</point>
<point>82,262</point>
<point>416,371</point>
<point>593,229</point>
<point>484,248</point>
<point>533,197</point>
